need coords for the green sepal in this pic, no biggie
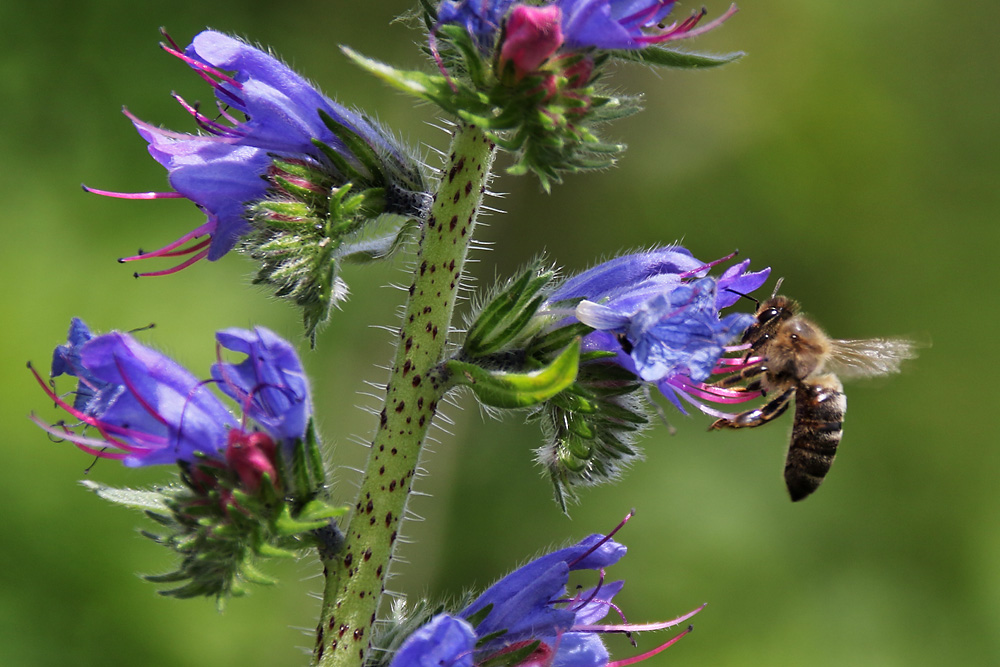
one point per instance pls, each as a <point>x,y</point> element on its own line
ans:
<point>221,531</point>
<point>153,501</point>
<point>653,55</point>
<point>508,314</point>
<point>480,616</point>
<point>549,343</point>
<point>512,658</point>
<point>517,390</point>
<point>313,516</point>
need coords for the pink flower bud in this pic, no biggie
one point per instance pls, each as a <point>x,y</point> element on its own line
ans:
<point>251,456</point>
<point>533,35</point>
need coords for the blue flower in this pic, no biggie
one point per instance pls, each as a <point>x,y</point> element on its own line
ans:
<point>269,384</point>
<point>265,111</point>
<point>585,24</point>
<point>627,24</point>
<point>528,610</point>
<point>658,312</point>
<point>146,409</point>
<point>480,18</point>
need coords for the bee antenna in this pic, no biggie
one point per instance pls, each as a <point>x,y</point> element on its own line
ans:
<point>745,296</point>
<point>777,286</point>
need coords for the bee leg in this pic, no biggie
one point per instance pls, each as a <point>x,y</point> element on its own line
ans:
<point>737,378</point>
<point>758,416</point>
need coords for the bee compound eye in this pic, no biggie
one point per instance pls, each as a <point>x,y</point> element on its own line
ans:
<point>768,315</point>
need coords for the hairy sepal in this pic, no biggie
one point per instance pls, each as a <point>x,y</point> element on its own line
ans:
<point>513,390</point>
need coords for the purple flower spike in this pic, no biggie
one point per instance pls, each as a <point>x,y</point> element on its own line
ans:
<point>146,409</point>
<point>529,611</point>
<point>265,112</point>
<point>658,313</point>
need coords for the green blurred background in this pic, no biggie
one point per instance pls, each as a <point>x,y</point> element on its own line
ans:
<point>854,150</point>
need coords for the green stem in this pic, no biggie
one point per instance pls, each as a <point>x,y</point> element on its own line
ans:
<point>355,577</point>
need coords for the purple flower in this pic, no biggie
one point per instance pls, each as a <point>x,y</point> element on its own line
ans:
<point>627,24</point>
<point>265,111</point>
<point>658,312</point>
<point>529,611</point>
<point>586,24</point>
<point>147,409</point>
<point>480,18</point>
<point>269,384</point>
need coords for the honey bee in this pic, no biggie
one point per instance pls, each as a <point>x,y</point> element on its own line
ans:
<point>795,357</point>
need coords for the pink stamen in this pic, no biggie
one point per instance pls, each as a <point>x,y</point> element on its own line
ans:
<point>432,40</point>
<point>225,114</point>
<point>198,65</point>
<point>705,267</point>
<point>169,134</point>
<point>649,654</point>
<point>638,627</point>
<point>685,30</point>
<point>180,267</point>
<point>644,16</point>
<point>607,537</point>
<point>90,445</point>
<point>132,195</point>
<point>169,249</point>
<point>163,31</point>
<point>187,251</point>
<point>104,428</point>
<point>579,603</point>
<point>204,121</point>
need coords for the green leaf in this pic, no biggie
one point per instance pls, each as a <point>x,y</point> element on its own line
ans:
<point>150,501</point>
<point>422,85</point>
<point>518,390</point>
<point>653,55</point>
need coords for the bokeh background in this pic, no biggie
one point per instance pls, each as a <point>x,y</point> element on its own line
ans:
<point>854,150</point>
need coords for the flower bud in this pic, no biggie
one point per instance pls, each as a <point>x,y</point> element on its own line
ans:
<point>533,35</point>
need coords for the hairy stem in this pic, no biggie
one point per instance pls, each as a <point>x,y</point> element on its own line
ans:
<point>355,577</point>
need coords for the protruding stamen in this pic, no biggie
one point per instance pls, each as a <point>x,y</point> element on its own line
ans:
<point>706,267</point>
<point>642,17</point>
<point>198,65</point>
<point>94,446</point>
<point>204,121</point>
<point>686,29</point>
<point>104,428</point>
<point>169,250</point>
<point>132,195</point>
<point>649,654</point>
<point>638,627</point>
<point>180,267</point>
<point>607,537</point>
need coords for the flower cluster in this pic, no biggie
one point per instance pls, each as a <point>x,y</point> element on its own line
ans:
<point>299,180</point>
<point>657,312</point>
<point>147,409</point>
<point>527,72</point>
<point>527,619</point>
<point>250,488</point>
<point>579,24</point>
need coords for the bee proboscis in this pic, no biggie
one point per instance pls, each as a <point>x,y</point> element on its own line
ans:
<point>789,355</point>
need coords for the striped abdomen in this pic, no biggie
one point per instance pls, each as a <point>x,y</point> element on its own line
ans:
<point>820,405</point>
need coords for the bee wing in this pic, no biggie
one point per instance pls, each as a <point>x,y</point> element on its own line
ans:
<point>870,356</point>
